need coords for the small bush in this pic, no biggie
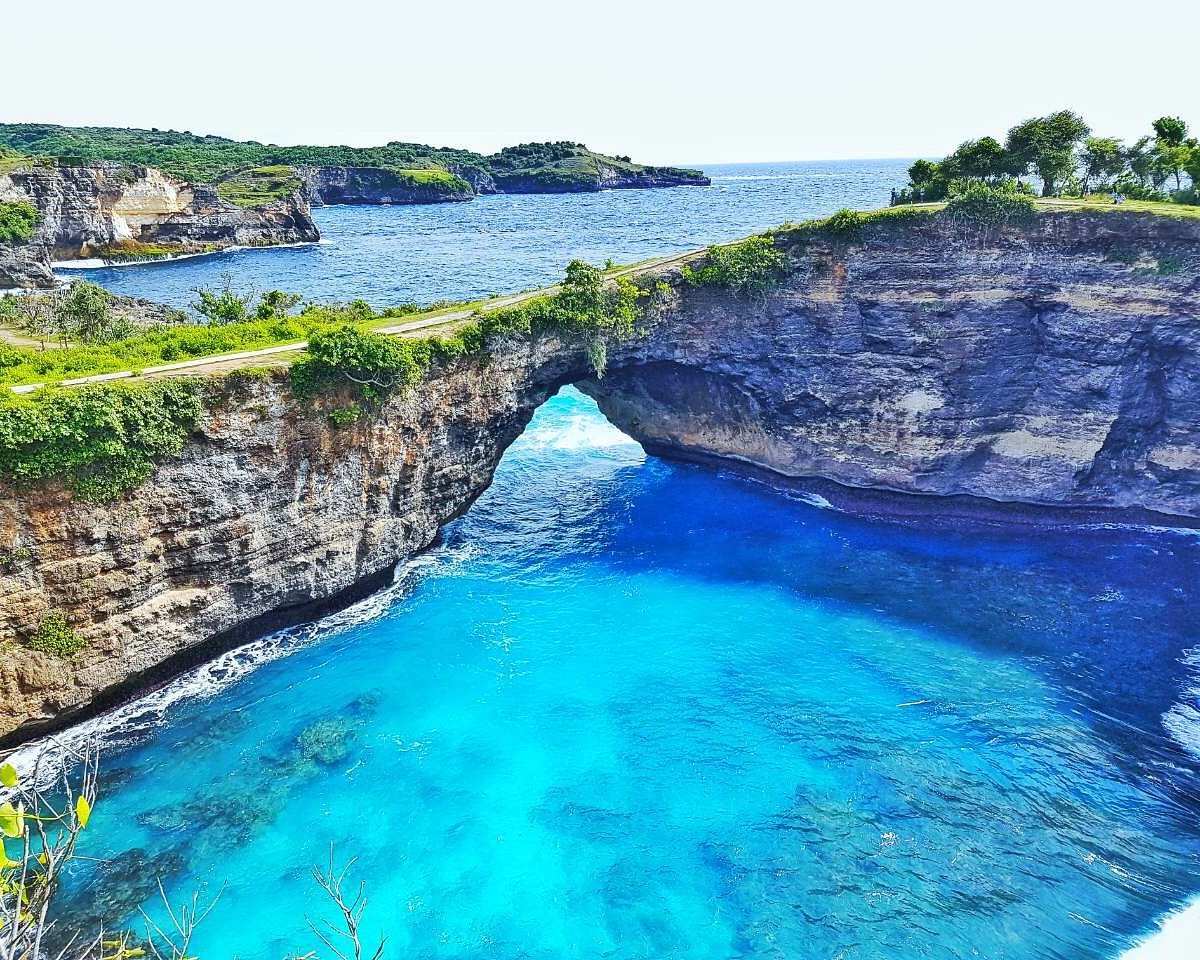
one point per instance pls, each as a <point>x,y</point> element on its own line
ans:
<point>753,266</point>
<point>377,364</point>
<point>991,208</point>
<point>11,560</point>
<point>344,416</point>
<point>54,636</point>
<point>845,223</point>
<point>18,221</point>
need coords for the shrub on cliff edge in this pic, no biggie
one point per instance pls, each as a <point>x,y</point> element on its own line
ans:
<point>992,208</point>
<point>100,441</point>
<point>752,266</point>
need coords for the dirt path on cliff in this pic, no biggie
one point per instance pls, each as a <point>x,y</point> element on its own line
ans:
<point>285,353</point>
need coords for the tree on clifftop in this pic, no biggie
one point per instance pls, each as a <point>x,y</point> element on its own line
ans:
<point>1102,158</point>
<point>1046,146</point>
<point>1173,150</point>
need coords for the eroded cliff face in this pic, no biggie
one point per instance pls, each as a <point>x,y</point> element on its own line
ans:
<point>374,185</point>
<point>1058,364</point>
<point>86,209</point>
<point>270,514</point>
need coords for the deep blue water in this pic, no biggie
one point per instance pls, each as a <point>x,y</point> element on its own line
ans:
<point>500,244</point>
<point>634,709</point>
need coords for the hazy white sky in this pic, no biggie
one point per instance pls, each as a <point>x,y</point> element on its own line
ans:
<point>666,82</point>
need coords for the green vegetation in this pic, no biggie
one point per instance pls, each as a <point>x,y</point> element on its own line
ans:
<point>101,441</point>
<point>130,251</point>
<point>80,314</point>
<point>752,266</point>
<point>1060,152</point>
<point>585,308</point>
<point>11,560</point>
<point>250,172</point>
<point>55,637</point>
<point>11,160</point>
<point>18,221</point>
<point>259,185</point>
<point>107,343</point>
<point>441,181</point>
<point>991,207</point>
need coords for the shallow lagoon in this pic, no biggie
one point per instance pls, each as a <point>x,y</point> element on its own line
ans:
<point>638,709</point>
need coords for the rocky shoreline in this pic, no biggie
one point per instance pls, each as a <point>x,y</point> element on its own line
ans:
<point>123,213</point>
<point>119,213</point>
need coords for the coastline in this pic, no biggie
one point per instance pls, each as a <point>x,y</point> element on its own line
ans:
<point>97,263</point>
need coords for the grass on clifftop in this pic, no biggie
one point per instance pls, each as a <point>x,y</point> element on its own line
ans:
<point>439,180</point>
<point>165,345</point>
<point>1103,203</point>
<point>259,185</point>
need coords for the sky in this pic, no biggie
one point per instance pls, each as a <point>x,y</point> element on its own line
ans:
<point>665,82</point>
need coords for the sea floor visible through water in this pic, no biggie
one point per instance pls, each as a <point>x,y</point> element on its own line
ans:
<point>638,709</point>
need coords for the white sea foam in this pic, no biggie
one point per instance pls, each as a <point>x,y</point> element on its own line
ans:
<point>580,432</point>
<point>1182,720</point>
<point>134,721</point>
<point>1143,528</point>
<point>93,263</point>
<point>1177,938</point>
<point>814,500</point>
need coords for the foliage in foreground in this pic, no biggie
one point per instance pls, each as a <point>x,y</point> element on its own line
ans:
<point>43,818</point>
<point>101,441</point>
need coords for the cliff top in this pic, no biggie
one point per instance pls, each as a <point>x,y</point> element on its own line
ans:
<point>1159,237</point>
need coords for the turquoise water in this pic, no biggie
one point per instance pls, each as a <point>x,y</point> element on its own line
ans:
<point>500,244</point>
<point>634,709</point>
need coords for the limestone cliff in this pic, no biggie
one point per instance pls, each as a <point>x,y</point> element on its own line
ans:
<point>380,185</point>
<point>1056,364</point>
<point>87,210</point>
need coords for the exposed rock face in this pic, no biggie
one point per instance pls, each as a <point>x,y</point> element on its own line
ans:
<point>606,178</point>
<point>375,185</point>
<point>378,185</point>
<point>27,265</point>
<point>1056,365</point>
<point>1059,365</point>
<point>87,208</point>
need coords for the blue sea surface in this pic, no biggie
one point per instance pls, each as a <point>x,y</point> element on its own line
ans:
<point>501,244</point>
<point>637,709</point>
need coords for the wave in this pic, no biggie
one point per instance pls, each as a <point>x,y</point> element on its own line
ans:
<point>1175,939</point>
<point>579,432</point>
<point>132,722</point>
<point>1182,720</point>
